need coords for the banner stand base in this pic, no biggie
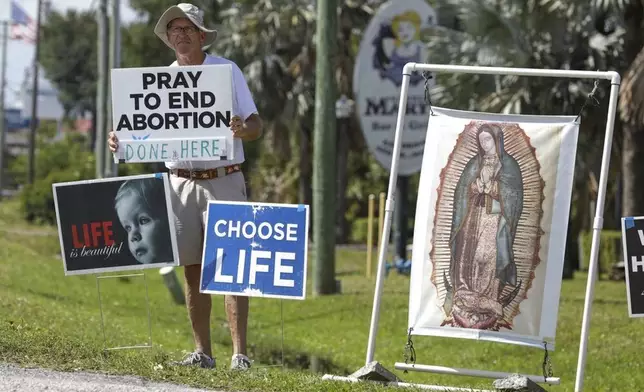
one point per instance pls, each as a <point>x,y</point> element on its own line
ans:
<point>331,377</point>
<point>517,382</point>
<point>100,305</point>
<point>474,373</point>
<point>374,371</point>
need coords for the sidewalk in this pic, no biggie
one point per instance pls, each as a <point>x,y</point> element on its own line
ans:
<point>16,379</point>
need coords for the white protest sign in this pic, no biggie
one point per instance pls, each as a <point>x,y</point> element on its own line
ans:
<point>163,114</point>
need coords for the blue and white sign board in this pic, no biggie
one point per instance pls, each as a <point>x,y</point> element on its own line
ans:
<point>255,249</point>
<point>163,114</point>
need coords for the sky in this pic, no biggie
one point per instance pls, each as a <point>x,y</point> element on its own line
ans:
<point>20,54</point>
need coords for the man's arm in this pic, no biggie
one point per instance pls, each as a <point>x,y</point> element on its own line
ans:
<point>246,124</point>
<point>254,128</point>
<point>249,130</point>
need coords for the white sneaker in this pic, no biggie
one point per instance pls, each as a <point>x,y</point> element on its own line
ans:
<point>197,358</point>
<point>240,362</point>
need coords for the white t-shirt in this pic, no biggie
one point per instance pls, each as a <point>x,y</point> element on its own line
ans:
<point>243,106</point>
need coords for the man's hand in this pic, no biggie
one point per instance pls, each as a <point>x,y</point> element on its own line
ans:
<point>237,126</point>
<point>113,142</point>
<point>249,130</point>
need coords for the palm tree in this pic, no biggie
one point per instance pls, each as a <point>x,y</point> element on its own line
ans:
<point>274,39</point>
<point>550,34</point>
<point>628,17</point>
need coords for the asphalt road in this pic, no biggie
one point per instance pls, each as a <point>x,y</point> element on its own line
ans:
<point>16,379</point>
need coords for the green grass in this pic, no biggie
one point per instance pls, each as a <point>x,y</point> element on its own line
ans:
<point>49,320</point>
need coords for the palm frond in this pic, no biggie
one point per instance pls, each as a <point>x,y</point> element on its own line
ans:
<point>550,34</point>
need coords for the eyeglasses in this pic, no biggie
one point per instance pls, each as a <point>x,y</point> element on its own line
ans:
<point>186,29</point>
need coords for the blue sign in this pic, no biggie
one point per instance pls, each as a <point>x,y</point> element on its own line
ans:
<point>255,249</point>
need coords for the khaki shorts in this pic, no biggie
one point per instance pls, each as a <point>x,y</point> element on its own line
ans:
<point>190,205</point>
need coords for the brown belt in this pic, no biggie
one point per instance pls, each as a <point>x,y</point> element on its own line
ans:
<point>206,174</point>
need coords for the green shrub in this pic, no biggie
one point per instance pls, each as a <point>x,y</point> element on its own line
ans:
<point>61,161</point>
<point>610,250</point>
<point>359,231</point>
<point>37,199</point>
<point>70,152</point>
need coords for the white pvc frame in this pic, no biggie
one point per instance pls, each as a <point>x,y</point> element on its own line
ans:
<point>598,222</point>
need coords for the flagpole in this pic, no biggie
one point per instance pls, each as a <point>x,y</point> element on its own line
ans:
<point>3,85</point>
<point>34,101</point>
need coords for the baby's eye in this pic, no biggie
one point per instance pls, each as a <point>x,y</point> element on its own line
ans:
<point>143,220</point>
<point>128,228</point>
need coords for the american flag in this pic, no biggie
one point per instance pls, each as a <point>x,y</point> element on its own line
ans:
<point>22,26</point>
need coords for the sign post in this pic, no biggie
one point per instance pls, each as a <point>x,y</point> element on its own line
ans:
<point>633,244</point>
<point>173,113</point>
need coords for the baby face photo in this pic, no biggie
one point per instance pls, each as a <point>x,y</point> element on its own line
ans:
<point>143,216</point>
<point>116,224</point>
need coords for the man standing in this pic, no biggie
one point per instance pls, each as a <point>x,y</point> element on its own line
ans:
<point>182,29</point>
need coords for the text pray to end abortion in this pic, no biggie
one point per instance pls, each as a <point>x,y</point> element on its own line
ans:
<point>180,104</point>
<point>264,231</point>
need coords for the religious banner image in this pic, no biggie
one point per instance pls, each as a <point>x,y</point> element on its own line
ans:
<point>116,224</point>
<point>491,223</point>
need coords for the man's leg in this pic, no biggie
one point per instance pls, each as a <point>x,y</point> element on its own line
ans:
<point>233,188</point>
<point>237,313</point>
<point>189,240</point>
<point>199,306</point>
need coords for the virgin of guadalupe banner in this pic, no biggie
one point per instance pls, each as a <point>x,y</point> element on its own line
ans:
<point>490,226</point>
<point>116,224</point>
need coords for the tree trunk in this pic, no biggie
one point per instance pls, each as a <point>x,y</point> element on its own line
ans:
<point>92,132</point>
<point>306,189</point>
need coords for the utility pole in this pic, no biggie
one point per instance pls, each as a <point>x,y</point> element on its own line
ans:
<point>111,168</point>
<point>34,101</point>
<point>101,88</point>
<point>3,85</point>
<point>324,155</point>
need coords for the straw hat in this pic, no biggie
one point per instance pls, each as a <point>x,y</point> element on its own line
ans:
<point>183,10</point>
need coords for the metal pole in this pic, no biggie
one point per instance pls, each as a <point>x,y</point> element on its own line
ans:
<point>472,373</point>
<point>3,85</point>
<point>34,101</point>
<point>597,228</point>
<point>111,168</point>
<point>101,88</point>
<point>389,208</point>
<point>482,70</point>
<point>324,155</point>
<point>371,208</point>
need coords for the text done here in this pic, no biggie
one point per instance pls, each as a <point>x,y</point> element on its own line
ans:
<point>256,250</point>
<point>156,108</point>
